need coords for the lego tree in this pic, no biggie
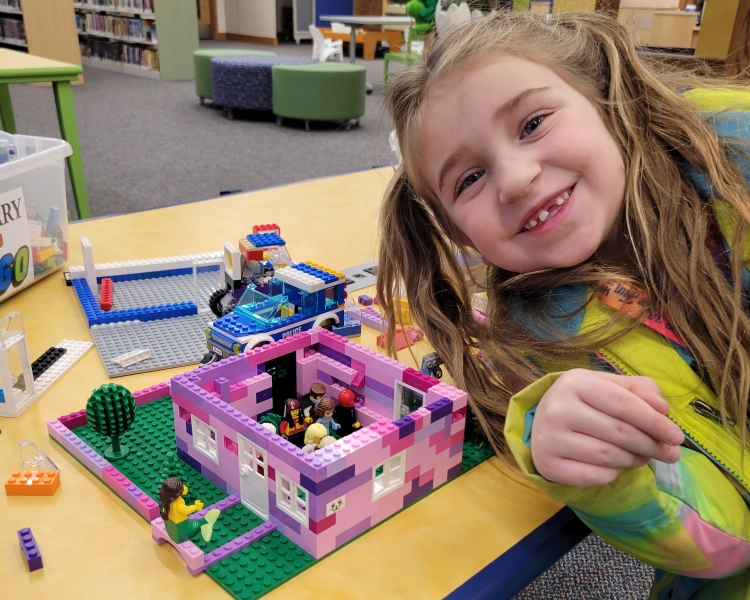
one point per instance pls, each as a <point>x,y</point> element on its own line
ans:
<point>173,467</point>
<point>110,412</point>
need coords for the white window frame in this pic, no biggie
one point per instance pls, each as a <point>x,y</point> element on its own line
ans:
<point>287,499</point>
<point>392,477</point>
<point>398,390</point>
<point>204,430</point>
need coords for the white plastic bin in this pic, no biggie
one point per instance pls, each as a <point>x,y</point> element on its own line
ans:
<point>33,210</point>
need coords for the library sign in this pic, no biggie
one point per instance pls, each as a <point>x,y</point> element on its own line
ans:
<point>15,242</point>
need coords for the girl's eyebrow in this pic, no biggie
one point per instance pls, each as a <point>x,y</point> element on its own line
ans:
<point>513,103</point>
<point>507,107</point>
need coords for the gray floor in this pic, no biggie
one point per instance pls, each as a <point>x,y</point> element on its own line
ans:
<point>148,143</point>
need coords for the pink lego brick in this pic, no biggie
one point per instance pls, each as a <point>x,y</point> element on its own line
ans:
<point>130,492</point>
<point>238,544</point>
<point>73,420</point>
<point>443,390</point>
<point>374,360</point>
<point>318,527</point>
<point>336,369</point>
<point>276,349</point>
<point>190,407</point>
<point>426,476</point>
<point>77,447</point>
<point>443,443</point>
<point>191,554</point>
<point>237,391</point>
<point>332,340</point>
<point>366,416</point>
<point>149,394</point>
<point>419,380</point>
<point>147,507</point>
<point>411,474</point>
<point>258,383</point>
<point>358,379</point>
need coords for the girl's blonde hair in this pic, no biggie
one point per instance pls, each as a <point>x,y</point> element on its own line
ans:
<point>663,222</point>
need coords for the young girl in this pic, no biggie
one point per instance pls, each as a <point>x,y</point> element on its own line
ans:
<point>614,363</point>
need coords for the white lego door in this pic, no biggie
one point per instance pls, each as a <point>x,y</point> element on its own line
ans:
<point>253,477</point>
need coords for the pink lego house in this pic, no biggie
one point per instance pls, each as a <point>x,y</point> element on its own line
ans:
<point>411,439</point>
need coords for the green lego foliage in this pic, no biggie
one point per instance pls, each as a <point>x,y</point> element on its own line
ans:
<point>271,418</point>
<point>110,411</point>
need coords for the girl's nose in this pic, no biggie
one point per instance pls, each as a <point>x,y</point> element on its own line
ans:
<point>516,176</point>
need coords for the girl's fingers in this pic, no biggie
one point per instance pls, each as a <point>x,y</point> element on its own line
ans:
<point>599,452</point>
<point>581,474</point>
<point>623,405</point>
<point>622,434</point>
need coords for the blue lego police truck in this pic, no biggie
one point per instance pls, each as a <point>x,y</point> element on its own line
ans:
<point>268,297</point>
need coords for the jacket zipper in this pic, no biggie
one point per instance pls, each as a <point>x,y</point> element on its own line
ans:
<point>700,407</point>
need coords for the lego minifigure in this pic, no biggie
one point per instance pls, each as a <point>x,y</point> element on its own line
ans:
<point>293,421</point>
<point>309,402</point>
<point>325,415</point>
<point>175,513</point>
<point>346,414</point>
<point>313,436</point>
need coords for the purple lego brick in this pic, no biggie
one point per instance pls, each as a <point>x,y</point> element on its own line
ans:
<point>324,377</point>
<point>239,543</point>
<point>455,449</point>
<point>454,471</point>
<point>417,491</point>
<point>365,300</point>
<point>30,549</point>
<point>77,447</point>
<point>326,339</point>
<point>266,394</point>
<point>406,426</point>
<point>335,355</point>
<point>329,483</point>
<point>353,532</point>
<point>419,380</point>
<point>374,384</point>
<point>440,409</point>
<point>378,398</point>
<point>285,521</point>
<point>221,385</point>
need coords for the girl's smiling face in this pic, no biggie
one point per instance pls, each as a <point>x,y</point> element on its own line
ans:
<point>522,164</point>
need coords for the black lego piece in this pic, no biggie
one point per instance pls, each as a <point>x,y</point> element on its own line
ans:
<point>46,360</point>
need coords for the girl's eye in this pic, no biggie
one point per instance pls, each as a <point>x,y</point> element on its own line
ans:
<point>532,124</point>
<point>467,181</point>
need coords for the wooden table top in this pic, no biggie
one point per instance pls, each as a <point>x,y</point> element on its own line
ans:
<point>14,63</point>
<point>95,546</point>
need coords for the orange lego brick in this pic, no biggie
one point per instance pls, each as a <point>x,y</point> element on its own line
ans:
<point>32,483</point>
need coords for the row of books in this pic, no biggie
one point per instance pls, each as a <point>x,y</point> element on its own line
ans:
<point>11,4</point>
<point>119,27</point>
<point>12,30</point>
<point>123,5</point>
<point>146,58</point>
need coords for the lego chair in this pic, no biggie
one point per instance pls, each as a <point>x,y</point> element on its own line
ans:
<point>323,48</point>
<point>319,92</point>
<point>410,57</point>
<point>202,60</point>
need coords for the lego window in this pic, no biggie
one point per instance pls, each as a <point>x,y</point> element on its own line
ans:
<point>388,476</point>
<point>204,439</point>
<point>292,499</point>
<point>407,400</point>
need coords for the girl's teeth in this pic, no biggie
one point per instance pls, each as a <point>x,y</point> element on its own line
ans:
<point>544,214</point>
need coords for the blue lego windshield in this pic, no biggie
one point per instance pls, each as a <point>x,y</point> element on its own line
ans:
<point>256,307</point>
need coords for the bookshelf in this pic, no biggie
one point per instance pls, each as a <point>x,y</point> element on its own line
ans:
<point>121,35</point>
<point>40,27</point>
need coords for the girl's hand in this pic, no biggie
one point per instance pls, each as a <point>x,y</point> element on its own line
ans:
<point>589,426</point>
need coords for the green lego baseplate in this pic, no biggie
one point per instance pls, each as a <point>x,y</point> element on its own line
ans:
<point>253,571</point>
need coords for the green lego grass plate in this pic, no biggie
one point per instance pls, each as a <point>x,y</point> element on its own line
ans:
<point>254,570</point>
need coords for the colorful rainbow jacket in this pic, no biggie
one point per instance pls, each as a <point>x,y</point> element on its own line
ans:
<point>690,520</point>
